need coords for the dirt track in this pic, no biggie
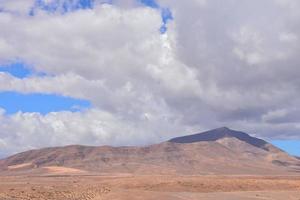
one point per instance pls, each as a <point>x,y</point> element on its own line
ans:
<point>149,187</point>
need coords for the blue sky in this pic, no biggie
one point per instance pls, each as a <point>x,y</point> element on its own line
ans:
<point>14,102</point>
<point>17,69</point>
<point>290,146</point>
<point>138,73</point>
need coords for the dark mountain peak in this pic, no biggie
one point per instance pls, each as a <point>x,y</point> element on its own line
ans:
<point>220,133</point>
<point>223,128</point>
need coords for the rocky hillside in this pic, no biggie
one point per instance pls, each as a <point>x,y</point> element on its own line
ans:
<point>219,151</point>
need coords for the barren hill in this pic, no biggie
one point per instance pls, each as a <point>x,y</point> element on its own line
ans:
<point>219,151</point>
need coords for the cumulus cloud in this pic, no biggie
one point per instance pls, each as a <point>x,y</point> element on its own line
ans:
<point>246,50</point>
<point>220,63</point>
<point>82,41</point>
<point>22,131</point>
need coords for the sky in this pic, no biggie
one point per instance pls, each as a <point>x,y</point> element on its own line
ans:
<point>137,72</point>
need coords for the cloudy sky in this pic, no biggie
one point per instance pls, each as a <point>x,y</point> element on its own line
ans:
<point>136,72</point>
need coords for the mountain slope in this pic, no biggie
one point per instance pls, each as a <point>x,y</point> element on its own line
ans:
<point>219,151</point>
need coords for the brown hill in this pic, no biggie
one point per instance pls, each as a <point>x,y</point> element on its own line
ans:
<point>219,151</point>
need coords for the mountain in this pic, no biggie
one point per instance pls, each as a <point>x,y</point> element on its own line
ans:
<point>219,151</point>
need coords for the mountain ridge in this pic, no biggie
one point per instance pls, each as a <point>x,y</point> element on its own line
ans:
<point>218,151</point>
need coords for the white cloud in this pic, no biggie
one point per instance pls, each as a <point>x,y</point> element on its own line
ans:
<point>16,6</point>
<point>249,46</point>
<point>273,115</point>
<point>23,131</point>
<point>52,42</point>
<point>288,37</point>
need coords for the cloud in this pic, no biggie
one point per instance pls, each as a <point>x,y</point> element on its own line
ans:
<point>16,6</point>
<point>22,131</point>
<point>234,50</point>
<point>282,116</point>
<point>50,42</point>
<point>220,63</point>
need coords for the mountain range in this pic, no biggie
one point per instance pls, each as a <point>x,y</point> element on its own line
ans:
<point>219,151</point>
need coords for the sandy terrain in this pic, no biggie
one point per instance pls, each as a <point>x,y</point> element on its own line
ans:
<point>20,166</point>
<point>123,187</point>
<point>62,170</point>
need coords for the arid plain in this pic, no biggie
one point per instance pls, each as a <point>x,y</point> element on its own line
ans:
<point>128,187</point>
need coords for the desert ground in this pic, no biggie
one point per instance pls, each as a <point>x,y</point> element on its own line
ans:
<point>146,187</point>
